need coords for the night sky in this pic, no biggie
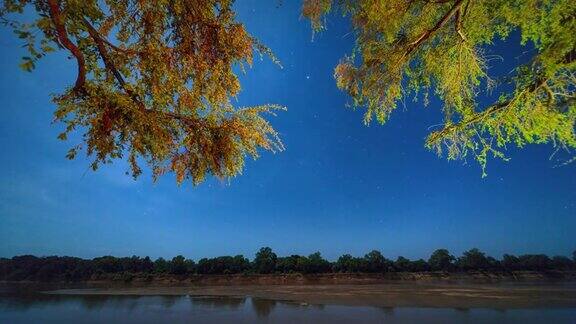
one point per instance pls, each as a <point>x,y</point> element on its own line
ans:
<point>340,187</point>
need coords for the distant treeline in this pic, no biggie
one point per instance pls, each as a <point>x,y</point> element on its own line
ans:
<point>52,268</point>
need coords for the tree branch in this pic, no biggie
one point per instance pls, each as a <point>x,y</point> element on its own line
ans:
<point>118,49</point>
<point>104,54</point>
<point>65,41</point>
<point>435,136</point>
<point>540,82</point>
<point>109,64</point>
<point>458,24</point>
<point>424,36</point>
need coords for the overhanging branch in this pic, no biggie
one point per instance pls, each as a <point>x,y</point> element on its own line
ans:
<point>448,130</point>
<point>109,64</point>
<point>425,35</point>
<point>65,41</point>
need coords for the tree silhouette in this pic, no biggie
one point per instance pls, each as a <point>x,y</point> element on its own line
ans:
<point>265,261</point>
<point>441,260</point>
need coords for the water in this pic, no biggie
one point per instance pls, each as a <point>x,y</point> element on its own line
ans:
<point>32,307</point>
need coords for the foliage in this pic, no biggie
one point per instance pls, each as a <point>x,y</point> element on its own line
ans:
<point>441,260</point>
<point>289,264</point>
<point>561,262</point>
<point>315,264</point>
<point>402,264</point>
<point>376,262</point>
<point>53,268</point>
<point>413,48</point>
<point>419,265</point>
<point>154,81</point>
<point>535,262</point>
<point>510,262</point>
<point>161,266</point>
<point>473,259</point>
<point>348,263</point>
<point>178,265</point>
<point>223,265</point>
<point>265,261</point>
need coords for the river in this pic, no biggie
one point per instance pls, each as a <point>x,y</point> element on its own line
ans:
<point>19,305</point>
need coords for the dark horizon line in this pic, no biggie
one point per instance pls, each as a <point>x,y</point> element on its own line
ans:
<point>33,268</point>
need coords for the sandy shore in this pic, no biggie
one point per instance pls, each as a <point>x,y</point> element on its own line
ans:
<point>498,296</point>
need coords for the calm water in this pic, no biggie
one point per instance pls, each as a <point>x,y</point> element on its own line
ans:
<point>29,307</point>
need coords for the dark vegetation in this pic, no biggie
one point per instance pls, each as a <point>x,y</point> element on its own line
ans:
<point>54,268</point>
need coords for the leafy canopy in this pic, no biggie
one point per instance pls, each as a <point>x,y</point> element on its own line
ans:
<point>406,48</point>
<point>155,79</point>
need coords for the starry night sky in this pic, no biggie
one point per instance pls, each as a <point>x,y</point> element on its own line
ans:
<point>340,187</point>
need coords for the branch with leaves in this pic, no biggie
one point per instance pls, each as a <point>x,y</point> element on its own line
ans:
<point>155,82</point>
<point>413,48</point>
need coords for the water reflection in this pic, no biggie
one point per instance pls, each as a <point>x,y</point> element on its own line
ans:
<point>24,303</point>
<point>231,303</point>
<point>389,311</point>
<point>263,307</point>
<point>90,303</point>
<point>169,301</point>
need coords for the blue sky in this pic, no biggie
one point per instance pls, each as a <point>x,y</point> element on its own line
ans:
<point>340,187</point>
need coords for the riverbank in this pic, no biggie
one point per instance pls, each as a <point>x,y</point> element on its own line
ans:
<point>392,294</point>
<point>169,280</point>
<point>428,289</point>
<point>363,278</point>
